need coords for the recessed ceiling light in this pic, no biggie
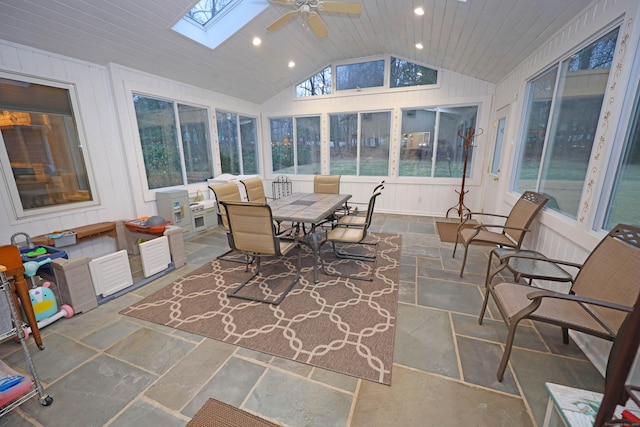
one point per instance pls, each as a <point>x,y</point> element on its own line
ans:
<point>419,46</point>
<point>256,41</point>
<point>418,11</point>
<point>292,64</point>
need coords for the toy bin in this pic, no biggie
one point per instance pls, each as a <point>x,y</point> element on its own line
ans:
<point>43,252</point>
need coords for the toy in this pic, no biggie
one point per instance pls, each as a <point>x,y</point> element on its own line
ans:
<point>31,268</point>
<point>45,307</point>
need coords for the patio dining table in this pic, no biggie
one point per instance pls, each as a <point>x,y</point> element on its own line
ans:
<point>308,208</point>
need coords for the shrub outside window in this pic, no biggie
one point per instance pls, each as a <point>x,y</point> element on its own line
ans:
<point>173,157</point>
<point>301,157</point>
<point>563,111</point>
<point>364,153</point>
<point>42,146</point>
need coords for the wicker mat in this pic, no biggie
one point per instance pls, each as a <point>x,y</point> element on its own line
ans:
<point>219,414</point>
<point>339,324</point>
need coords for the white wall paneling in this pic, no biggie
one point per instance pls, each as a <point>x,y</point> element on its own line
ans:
<point>97,124</point>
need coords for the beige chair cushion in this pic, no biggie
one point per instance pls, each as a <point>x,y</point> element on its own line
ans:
<point>326,184</point>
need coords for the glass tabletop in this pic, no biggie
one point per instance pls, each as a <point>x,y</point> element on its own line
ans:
<point>532,264</point>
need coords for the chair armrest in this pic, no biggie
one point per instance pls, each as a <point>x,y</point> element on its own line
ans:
<point>543,293</point>
<point>469,215</point>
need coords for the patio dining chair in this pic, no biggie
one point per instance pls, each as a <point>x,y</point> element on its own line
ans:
<point>357,217</point>
<point>227,192</point>
<point>343,236</point>
<point>254,189</point>
<point>254,234</point>
<point>509,235</point>
<point>597,303</point>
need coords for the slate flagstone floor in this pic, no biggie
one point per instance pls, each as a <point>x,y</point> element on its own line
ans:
<point>105,369</point>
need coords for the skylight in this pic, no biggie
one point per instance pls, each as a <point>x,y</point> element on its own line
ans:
<point>205,10</point>
<point>211,22</point>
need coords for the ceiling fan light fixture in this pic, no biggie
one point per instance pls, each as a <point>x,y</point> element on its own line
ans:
<point>310,9</point>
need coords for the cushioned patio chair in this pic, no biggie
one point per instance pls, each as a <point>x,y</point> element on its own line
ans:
<point>357,217</point>
<point>255,190</point>
<point>598,302</point>
<point>326,184</point>
<point>227,192</point>
<point>509,235</point>
<point>343,235</point>
<point>253,233</point>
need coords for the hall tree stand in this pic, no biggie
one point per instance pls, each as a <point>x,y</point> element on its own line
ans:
<point>36,386</point>
<point>461,208</point>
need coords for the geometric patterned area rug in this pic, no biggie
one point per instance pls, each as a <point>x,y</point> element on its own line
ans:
<point>219,414</point>
<point>339,324</point>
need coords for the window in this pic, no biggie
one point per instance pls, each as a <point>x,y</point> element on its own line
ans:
<point>175,140</point>
<point>431,145</point>
<point>623,204</point>
<point>238,155</point>
<point>205,10</point>
<point>563,108</point>
<point>211,22</point>
<point>359,143</point>
<point>318,84</point>
<point>405,73</point>
<point>43,160</point>
<point>363,74</point>
<point>303,157</point>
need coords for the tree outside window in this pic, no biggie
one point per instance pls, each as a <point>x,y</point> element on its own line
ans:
<point>175,142</point>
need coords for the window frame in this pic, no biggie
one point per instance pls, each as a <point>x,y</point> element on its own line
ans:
<point>294,144</point>
<point>148,193</point>
<point>630,108</point>
<point>384,89</point>
<point>472,170</point>
<point>359,115</point>
<point>551,125</point>
<point>216,142</point>
<point>11,185</point>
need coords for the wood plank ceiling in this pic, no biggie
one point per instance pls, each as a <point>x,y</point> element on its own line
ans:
<point>484,39</point>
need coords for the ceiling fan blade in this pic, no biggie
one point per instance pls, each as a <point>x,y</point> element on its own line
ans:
<point>282,20</point>
<point>340,6</point>
<point>317,25</point>
<point>281,1</point>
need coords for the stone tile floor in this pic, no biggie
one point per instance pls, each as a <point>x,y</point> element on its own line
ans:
<point>105,369</point>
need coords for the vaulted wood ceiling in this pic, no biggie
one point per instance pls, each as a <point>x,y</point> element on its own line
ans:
<point>484,39</point>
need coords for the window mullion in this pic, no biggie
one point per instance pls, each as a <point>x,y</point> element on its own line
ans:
<point>551,123</point>
<point>434,143</point>
<point>183,164</point>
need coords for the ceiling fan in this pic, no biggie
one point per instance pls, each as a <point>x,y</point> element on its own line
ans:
<point>310,9</point>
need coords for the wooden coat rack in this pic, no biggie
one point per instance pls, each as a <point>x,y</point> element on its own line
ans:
<point>468,143</point>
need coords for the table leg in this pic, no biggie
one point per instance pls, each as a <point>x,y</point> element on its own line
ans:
<point>314,248</point>
<point>22,291</point>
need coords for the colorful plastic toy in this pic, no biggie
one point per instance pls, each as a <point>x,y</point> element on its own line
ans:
<point>45,307</point>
